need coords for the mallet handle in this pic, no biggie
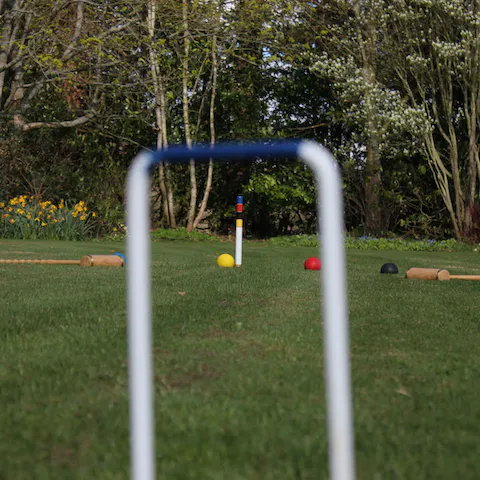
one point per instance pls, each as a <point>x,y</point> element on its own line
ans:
<point>465,277</point>
<point>45,262</point>
<point>85,261</point>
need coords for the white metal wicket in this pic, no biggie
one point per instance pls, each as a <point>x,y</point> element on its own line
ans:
<point>335,314</point>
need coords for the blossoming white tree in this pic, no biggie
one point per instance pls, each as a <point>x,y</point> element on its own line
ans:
<point>413,69</point>
<point>355,62</point>
<point>438,62</point>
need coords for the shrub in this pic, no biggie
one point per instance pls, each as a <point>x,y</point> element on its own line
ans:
<point>372,243</point>
<point>181,234</point>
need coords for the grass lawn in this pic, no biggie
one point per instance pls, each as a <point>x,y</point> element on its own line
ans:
<point>238,365</point>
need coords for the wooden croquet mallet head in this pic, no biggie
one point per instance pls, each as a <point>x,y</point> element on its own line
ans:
<point>102,261</point>
<point>436,274</point>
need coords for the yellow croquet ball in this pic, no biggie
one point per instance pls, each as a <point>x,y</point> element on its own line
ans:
<point>225,260</point>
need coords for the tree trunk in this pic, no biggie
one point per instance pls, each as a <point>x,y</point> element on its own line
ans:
<point>208,185</point>
<point>373,180</point>
<point>5,43</point>
<point>160,114</point>
<point>472,161</point>
<point>186,116</point>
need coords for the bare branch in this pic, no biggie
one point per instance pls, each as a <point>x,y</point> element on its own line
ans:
<point>21,124</point>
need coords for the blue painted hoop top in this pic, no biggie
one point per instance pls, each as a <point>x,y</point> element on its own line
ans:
<point>226,152</point>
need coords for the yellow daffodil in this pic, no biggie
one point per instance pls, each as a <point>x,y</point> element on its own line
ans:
<point>12,220</point>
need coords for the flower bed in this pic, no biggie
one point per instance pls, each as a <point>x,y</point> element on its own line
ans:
<point>28,218</point>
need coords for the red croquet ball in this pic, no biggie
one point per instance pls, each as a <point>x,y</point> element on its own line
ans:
<point>312,263</point>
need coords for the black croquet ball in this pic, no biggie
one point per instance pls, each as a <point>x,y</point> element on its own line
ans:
<point>389,268</point>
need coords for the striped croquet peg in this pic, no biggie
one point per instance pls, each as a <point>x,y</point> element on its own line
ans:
<point>239,231</point>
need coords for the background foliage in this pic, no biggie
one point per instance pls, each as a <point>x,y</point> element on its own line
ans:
<point>392,88</point>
